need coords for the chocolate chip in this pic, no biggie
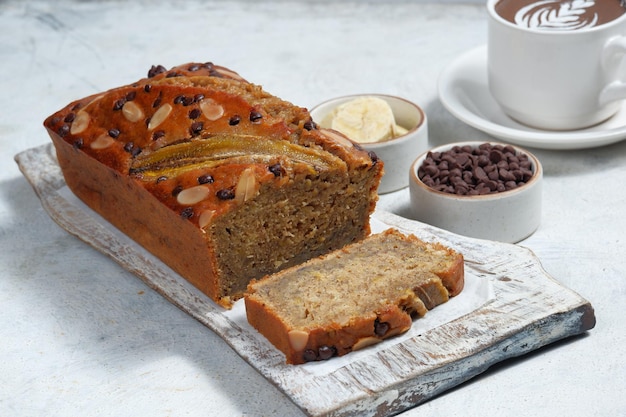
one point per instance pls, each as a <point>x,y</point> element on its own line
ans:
<point>255,116</point>
<point>155,70</point>
<point>431,170</point>
<point>509,149</point>
<point>310,125</point>
<point>161,179</point>
<point>131,95</point>
<point>506,175</point>
<point>198,97</point>
<point>495,156</point>
<point>187,213</point>
<point>157,101</point>
<point>194,114</point>
<point>177,190</point>
<point>173,74</point>
<point>205,179</point>
<point>188,101</point>
<point>380,328</point>
<point>233,121</point>
<point>373,156</point>
<point>492,185</point>
<point>463,159</point>
<point>147,88</point>
<point>78,143</point>
<point>64,130</point>
<point>225,194</point>
<point>158,134</point>
<point>196,128</point>
<point>194,67</point>
<point>215,73</point>
<point>128,147</point>
<point>309,355</point>
<point>480,174</point>
<point>69,118</point>
<point>114,133</point>
<point>326,352</point>
<point>118,104</point>
<point>276,169</point>
<point>179,99</point>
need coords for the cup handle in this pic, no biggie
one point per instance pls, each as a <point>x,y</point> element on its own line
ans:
<point>613,54</point>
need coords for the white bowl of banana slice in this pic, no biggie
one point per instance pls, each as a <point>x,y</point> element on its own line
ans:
<point>392,127</point>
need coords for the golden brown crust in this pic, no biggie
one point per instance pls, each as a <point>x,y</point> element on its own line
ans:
<point>174,160</point>
<point>101,127</point>
<point>162,232</point>
<point>297,309</point>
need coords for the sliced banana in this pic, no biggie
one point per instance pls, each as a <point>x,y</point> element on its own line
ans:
<point>366,120</point>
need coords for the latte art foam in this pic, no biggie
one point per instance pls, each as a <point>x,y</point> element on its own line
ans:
<point>559,15</point>
<point>556,15</point>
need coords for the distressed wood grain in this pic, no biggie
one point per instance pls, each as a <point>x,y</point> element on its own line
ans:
<point>530,310</point>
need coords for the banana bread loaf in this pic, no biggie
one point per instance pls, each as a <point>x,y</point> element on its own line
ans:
<point>353,297</point>
<point>216,177</point>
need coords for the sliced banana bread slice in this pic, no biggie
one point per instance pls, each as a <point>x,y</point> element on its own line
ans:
<point>353,297</point>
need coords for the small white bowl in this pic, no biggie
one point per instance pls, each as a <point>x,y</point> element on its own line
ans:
<point>507,216</point>
<point>398,153</point>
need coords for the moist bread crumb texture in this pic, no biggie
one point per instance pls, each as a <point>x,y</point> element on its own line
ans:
<point>353,297</point>
<point>222,181</point>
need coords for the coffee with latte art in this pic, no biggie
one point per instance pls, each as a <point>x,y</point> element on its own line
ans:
<point>560,15</point>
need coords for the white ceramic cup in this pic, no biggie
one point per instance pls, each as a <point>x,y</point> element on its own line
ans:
<point>556,80</point>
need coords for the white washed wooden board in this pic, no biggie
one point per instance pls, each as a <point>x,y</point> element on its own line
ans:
<point>529,310</point>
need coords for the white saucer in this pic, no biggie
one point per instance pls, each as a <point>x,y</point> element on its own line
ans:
<point>463,90</point>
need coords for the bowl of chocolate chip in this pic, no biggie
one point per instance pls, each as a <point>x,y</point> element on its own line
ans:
<point>484,190</point>
<point>394,128</point>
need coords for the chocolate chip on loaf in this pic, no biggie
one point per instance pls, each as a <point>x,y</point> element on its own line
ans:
<point>466,170</point>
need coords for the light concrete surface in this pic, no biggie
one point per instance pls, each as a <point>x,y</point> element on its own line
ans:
<point>81,336</point>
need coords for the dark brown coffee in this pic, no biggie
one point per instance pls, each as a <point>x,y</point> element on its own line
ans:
<point>561,15</point>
